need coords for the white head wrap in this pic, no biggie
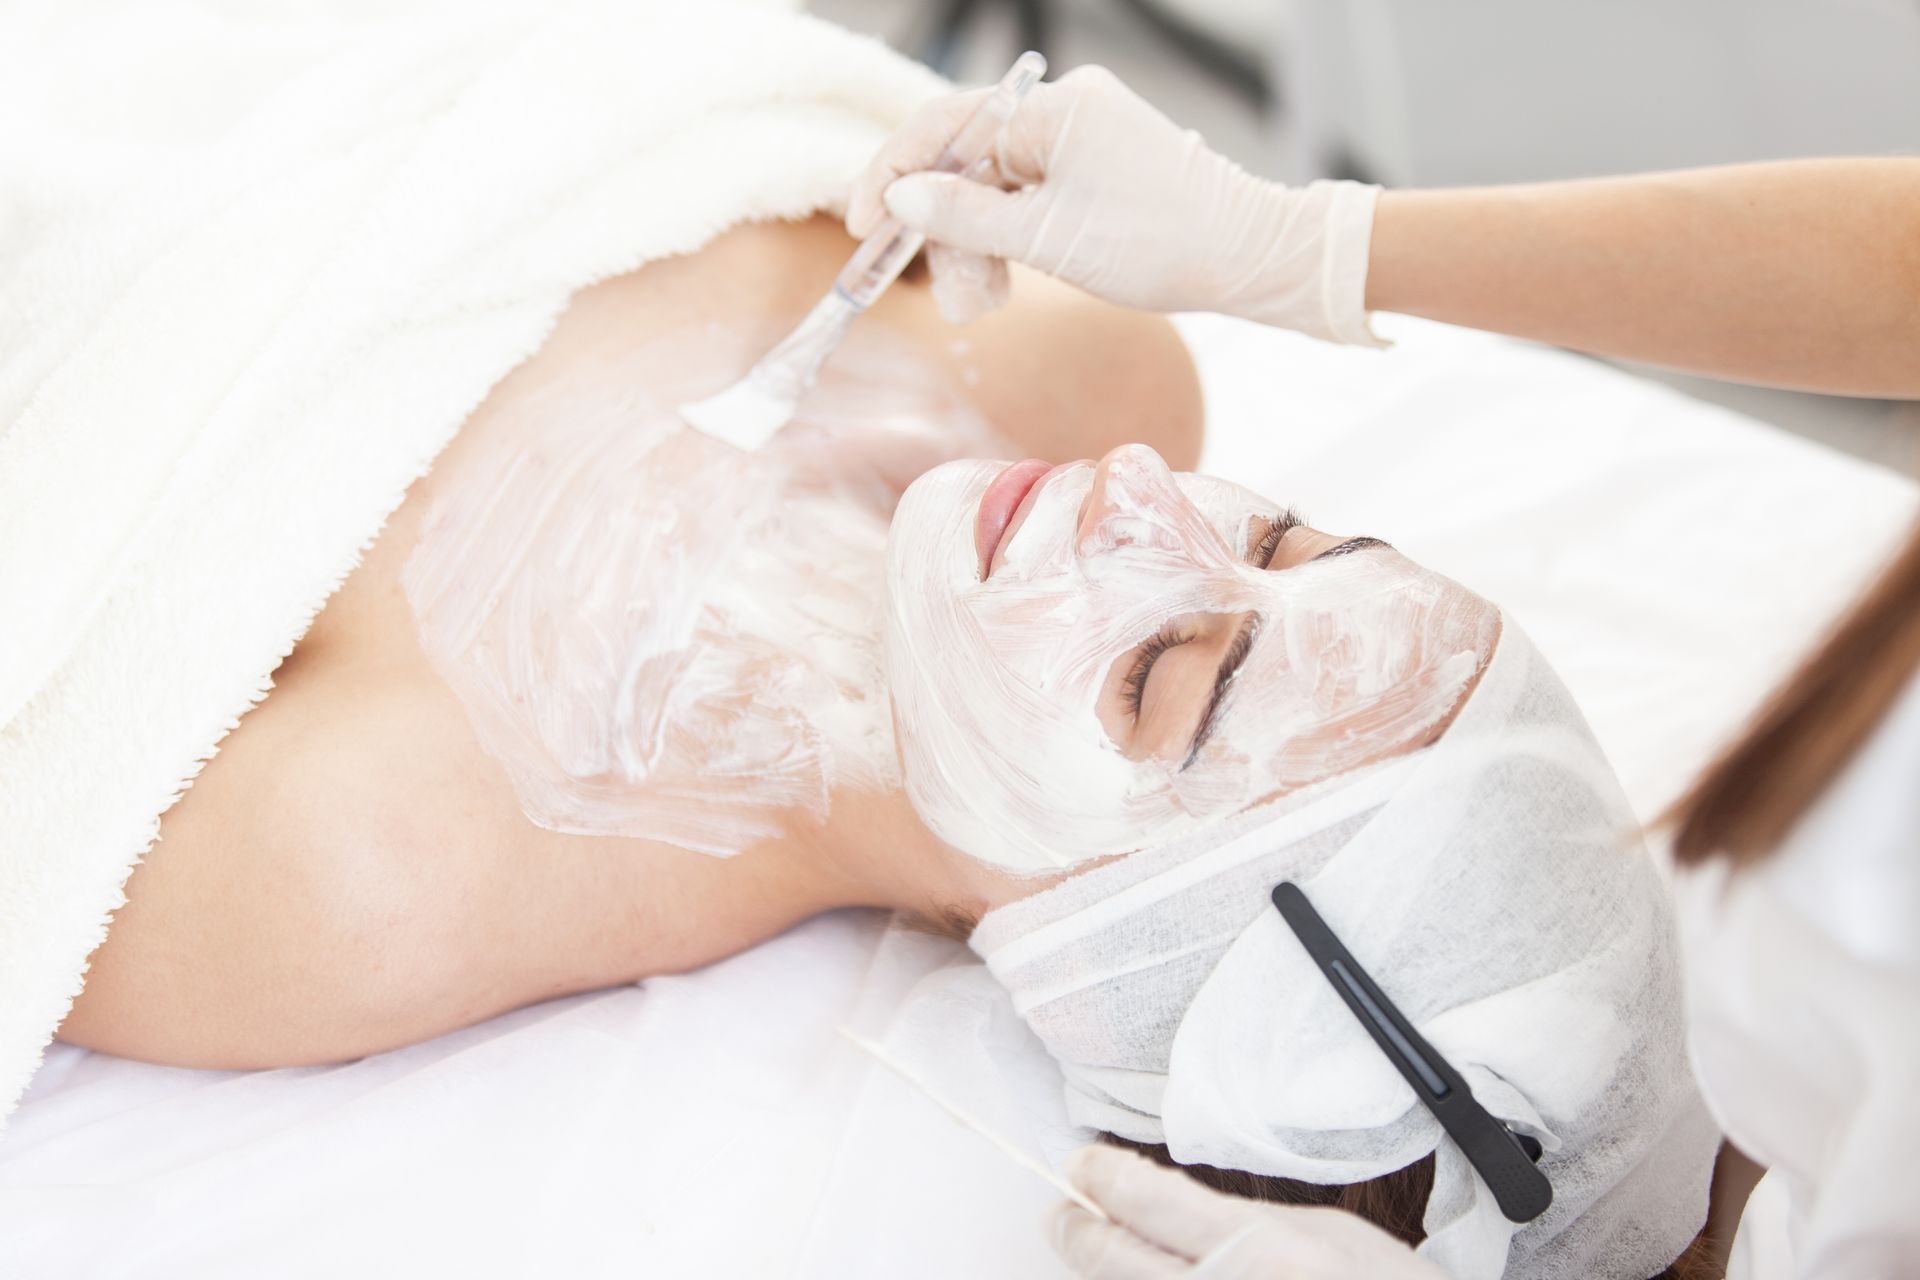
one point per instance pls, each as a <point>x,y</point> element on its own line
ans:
<point>1494,886</point>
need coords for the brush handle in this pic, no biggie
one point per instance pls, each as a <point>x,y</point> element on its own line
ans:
<point>883,255</point>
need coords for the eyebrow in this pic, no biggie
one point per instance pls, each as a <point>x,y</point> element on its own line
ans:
<point>1230,665</point>
<point>1350,545</point>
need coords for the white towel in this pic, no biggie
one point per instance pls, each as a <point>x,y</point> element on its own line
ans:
<point>257,264</point>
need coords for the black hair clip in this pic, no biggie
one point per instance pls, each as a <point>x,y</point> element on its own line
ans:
<point>1505,1160</point>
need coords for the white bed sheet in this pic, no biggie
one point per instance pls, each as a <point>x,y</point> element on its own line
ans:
<point>1671,557</point>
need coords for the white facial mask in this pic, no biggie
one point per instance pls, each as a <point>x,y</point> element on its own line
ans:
<point>663,637</point>
<point>996,683</point>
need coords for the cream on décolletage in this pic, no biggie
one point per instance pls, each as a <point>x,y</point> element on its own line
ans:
<point>995,682</point>
<point>659,635</point>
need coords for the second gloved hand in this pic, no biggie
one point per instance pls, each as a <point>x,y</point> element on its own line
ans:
<point>1094,186</point>
<point>1166,1225</point>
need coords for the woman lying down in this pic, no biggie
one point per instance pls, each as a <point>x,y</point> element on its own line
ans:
<point>609,699</point>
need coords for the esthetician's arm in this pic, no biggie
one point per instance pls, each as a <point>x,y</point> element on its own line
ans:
<point>1801,274</point>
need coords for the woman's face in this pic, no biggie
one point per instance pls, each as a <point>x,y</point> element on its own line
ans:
<point>1095,658</point>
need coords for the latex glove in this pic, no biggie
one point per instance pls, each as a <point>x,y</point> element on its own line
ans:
<point>1094,186</point>
<point>1167,1225</point>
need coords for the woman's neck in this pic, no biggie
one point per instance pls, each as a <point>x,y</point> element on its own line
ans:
<point>872,849</point>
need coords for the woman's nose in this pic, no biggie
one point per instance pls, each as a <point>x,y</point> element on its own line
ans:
<point>1130,481</point>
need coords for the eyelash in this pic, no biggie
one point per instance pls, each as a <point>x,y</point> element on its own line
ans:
<point>1236,656</point>
<point>1134,687</point>
<point>1261,557</point>
<point>1269,545</point>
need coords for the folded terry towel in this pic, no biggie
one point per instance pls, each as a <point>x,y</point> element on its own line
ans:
<point>257,264</point>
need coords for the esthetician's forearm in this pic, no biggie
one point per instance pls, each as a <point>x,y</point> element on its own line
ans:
<point>1798,274</point>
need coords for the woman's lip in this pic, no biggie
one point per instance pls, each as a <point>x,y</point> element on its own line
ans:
<point>998,504</point>
<point>1028,491</point>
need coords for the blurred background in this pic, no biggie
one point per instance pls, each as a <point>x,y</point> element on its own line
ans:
<point>1450,92</point>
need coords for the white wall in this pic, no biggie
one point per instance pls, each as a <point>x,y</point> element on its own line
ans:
<point>1441,92</point>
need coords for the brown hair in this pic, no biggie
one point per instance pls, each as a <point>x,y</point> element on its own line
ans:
<point>1395,1202</point>
<point>1746,802</point>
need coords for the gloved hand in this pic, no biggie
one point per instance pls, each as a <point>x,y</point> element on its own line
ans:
<point>1093,185</point>
<point>1167,1225</point>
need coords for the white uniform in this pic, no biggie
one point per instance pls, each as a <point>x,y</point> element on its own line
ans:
<point>1804,994</point>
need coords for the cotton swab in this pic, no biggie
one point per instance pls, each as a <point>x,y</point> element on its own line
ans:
<point>1013,1153</point>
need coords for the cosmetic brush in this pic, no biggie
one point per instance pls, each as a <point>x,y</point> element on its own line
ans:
<point>748,413</point>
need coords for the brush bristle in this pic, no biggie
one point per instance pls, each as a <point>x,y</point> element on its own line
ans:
<point>745,415</point>
<point>749,412</point>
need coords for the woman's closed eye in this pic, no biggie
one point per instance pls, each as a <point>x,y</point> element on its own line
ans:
<point>1270,531</point>
<point>1163,695</point>
<point>1134,687</point>
<point>1266,533</point>
<point>1286,541</point>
